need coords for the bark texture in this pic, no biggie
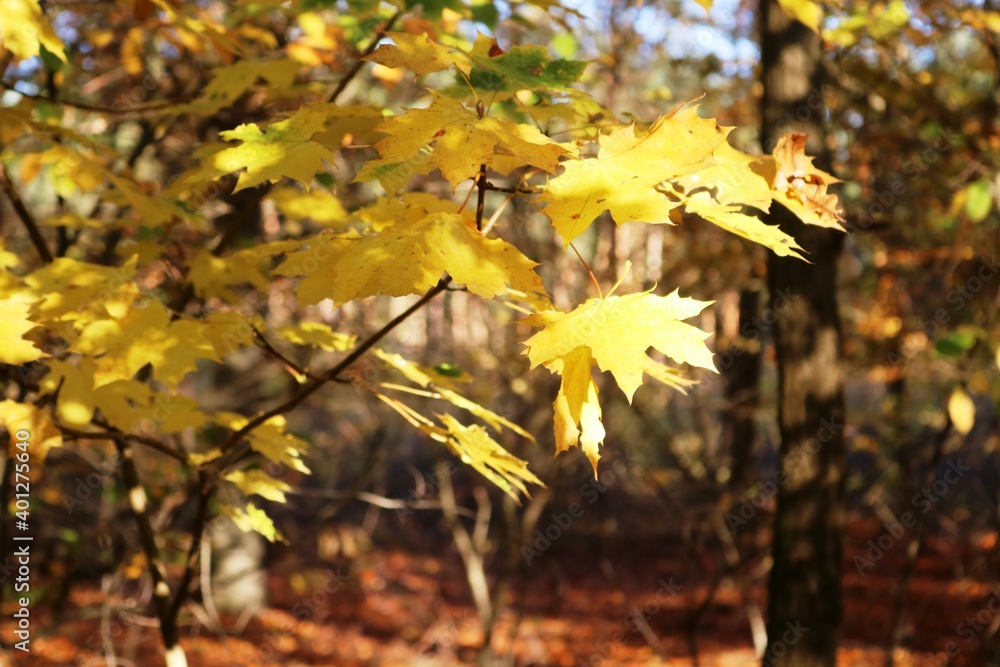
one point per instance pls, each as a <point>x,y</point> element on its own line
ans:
<point>804,607</point>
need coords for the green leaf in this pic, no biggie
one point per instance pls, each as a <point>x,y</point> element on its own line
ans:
<point>325,179</point>
<point>523,67</point>
<point>449,370</point>
<point>433,8</point>
<point>979,200</point>
<point>52,61</point>
<point>485,13</point>
<point>564,44</point>
<point>955,344</point>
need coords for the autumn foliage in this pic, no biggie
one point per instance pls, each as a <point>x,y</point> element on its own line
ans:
<point>123,279</point>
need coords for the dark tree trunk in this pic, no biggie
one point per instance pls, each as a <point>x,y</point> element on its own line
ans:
<point>740,368</point>
<point>804,608</point>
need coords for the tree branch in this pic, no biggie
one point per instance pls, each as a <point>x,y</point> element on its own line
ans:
<point>25,215</point>
<point>206,491</point>
<point>351,73</point>
<point>114,434</point>
<point>269,349</point>
<point>234,454</point>
<point>84,106</point>
<point>481,196</point>
<point>161,589</point>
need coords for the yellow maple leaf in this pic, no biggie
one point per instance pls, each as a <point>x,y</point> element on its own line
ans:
<point>269,439</point>
<point>70,289</point>
<point>24,30</point>
<point>14,323</point>
<point>476,448</point>
<point>229,331</point>
<point>229,82</point>
<point>619,331</point>
<point>318,335</point>
<point>806,12</point>
<point>462,141</point>
<point>284,149</point>
<point>256,481</point>
<point>623,176</point>
<point>419,53</point>
<point>35,423</point>
<point>132,407</point>
<point>75,382</point>
<point>252,518</point>
<point>731,219</point>
<point>317,205</point>
<point>443,388</point>
<point>348,124</point>
<point>409,257</point>
<point>144,336</point>
<point>212,276</point>
<point>577,418</point>
<point>798,184</point>
<point>731,179</point>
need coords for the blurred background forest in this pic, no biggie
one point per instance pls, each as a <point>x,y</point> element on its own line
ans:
<point>398,554</point>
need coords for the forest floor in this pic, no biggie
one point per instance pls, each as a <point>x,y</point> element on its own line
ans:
<point>401,608</point>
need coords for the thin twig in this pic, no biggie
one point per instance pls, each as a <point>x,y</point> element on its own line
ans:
<point>161,589</point>
<point>520,191</point>
<point>351,73</point>
<point>25,215</point>
<point>234,454</point>
<point>481,200</point>
<point>268,348</point>
<point>206,490</point>
<point>114,434</point>
<point>84,106</point>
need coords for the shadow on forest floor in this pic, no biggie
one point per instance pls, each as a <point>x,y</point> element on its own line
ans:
<point>413,609</point>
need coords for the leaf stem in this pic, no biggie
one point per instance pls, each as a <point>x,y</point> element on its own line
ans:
<point>496,188</point>
<point>593,278</point>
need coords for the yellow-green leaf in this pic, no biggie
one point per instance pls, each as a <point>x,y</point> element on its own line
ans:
<point>284,149</point>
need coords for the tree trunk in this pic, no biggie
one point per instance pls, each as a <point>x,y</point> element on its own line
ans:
<point>804,609</point>
<point>740,367</point>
